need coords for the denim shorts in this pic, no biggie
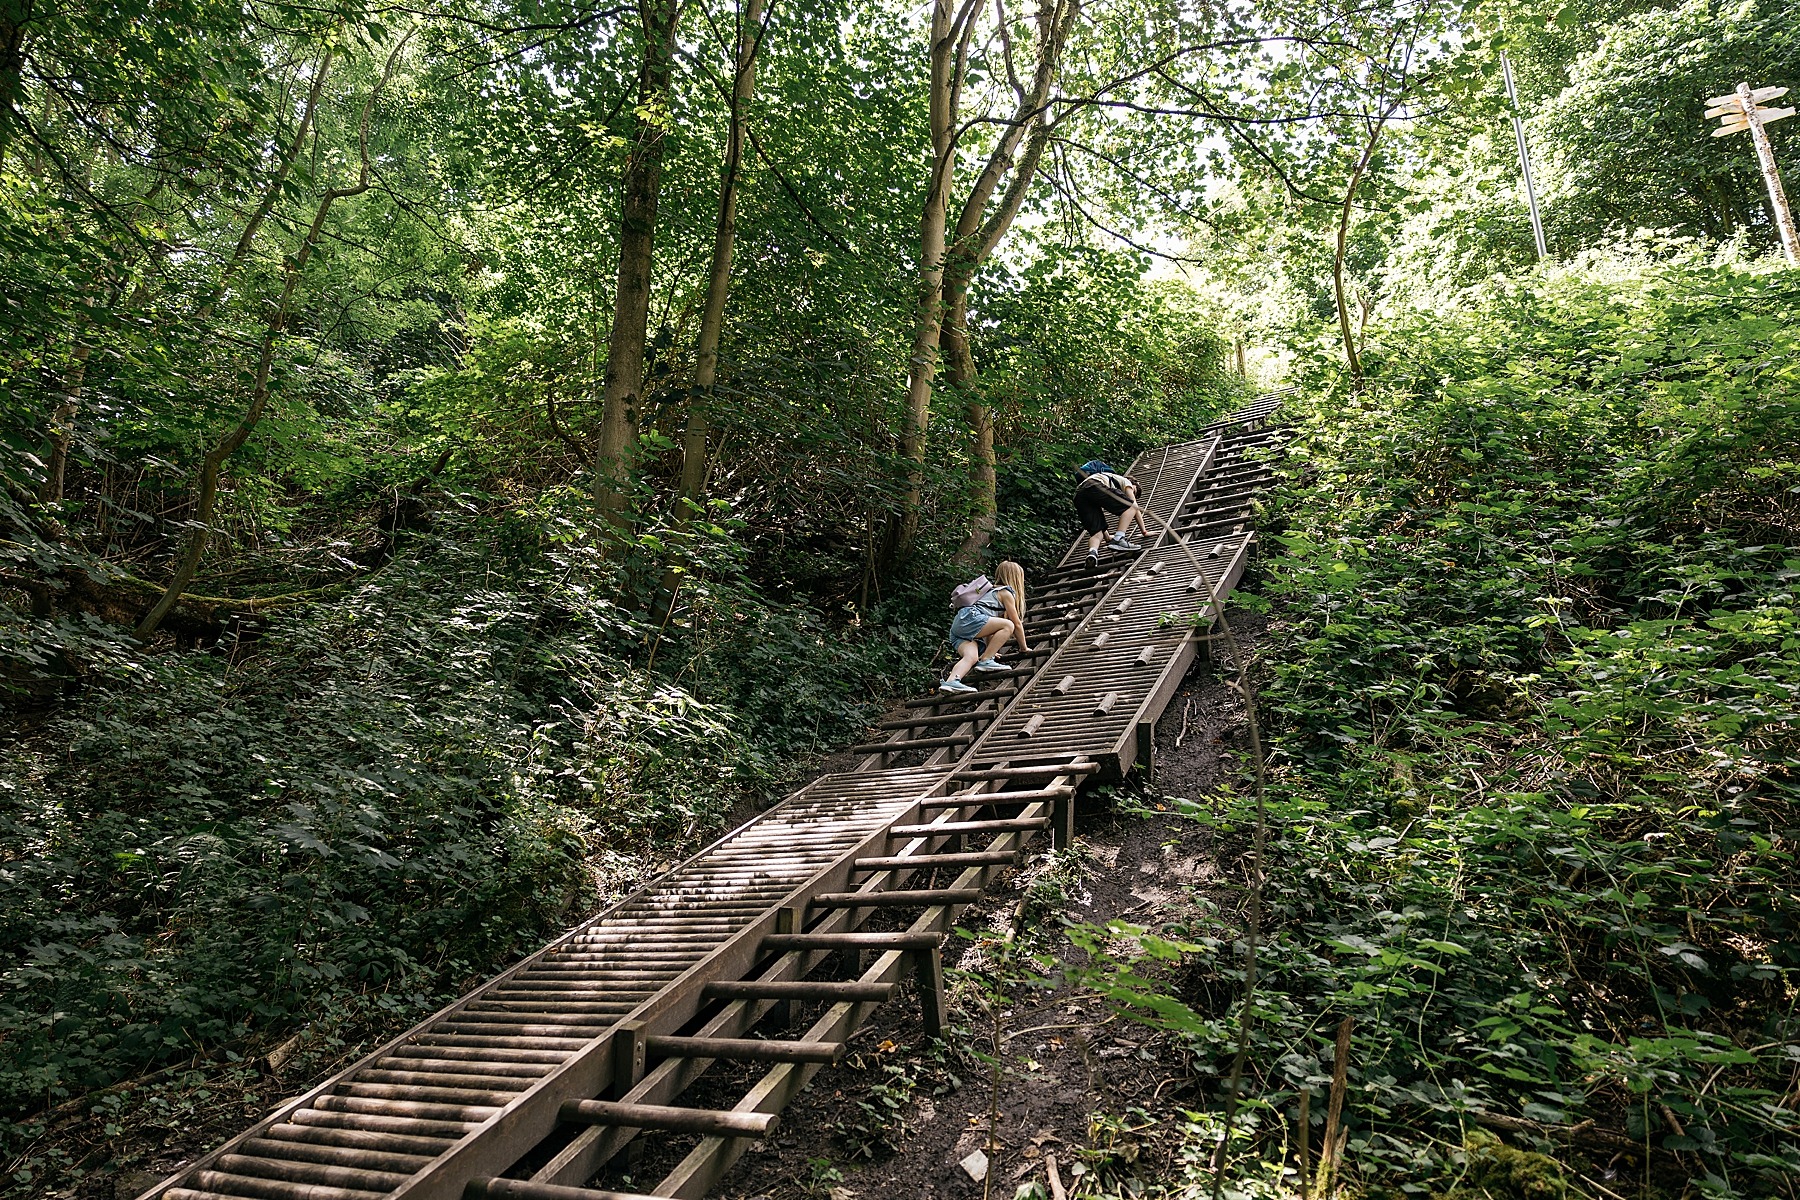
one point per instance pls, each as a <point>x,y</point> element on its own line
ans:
<point>968,623</point>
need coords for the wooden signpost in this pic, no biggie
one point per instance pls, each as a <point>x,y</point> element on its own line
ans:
<point>1741,110</point>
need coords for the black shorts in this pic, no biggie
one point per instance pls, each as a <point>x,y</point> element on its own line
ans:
<point>1092,504</point>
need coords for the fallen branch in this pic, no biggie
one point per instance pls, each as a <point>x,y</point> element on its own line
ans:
<point>1584,1134</point>
<point>247,604</point>
<point>50,586</point>
<point>121,600</point>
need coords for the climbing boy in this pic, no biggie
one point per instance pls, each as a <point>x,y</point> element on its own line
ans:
<point>1103,491</point>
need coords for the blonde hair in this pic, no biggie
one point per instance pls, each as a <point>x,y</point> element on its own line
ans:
<point>1012,575</point>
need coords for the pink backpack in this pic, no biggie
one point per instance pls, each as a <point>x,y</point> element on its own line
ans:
<point>970,592</point>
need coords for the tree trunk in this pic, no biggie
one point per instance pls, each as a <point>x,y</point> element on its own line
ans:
<point>621,390</point>
<point>983,474</point>
<point>950,34</point>
<point>15,15</point>
<point>1351,357</point>
<point>718,284</point>
<point>977,234</point>
<point>241,252</point>
<point>206,487</point>
<point>62,425</point>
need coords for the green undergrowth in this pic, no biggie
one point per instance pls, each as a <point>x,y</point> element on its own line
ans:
<point>336,822</point>
<point>1530,689</point>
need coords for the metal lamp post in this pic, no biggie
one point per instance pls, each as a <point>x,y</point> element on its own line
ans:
<point>1512,99</point>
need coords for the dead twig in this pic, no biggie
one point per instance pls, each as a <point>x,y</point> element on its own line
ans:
<point>1305,1140</point>
<point>1333,1149</point>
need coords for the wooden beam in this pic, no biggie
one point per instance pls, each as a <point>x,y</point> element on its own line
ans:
<point>851,941</point>
<point>896,899</point>
<point>747,1049</point>
<point>924,862</point>
<point>1008,825</point>
<point>797,989</point>
<point>709,1122</point>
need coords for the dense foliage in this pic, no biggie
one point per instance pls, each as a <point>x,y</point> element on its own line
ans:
<point>1533,701</point>
<point>370,605</point>
<point>1618,141</point>
<point>369,798</point>
<point>428,695</point>
<point>370,802</point>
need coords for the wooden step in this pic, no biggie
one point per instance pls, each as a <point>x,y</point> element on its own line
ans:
<point>924,862</point>
<point>1008,825</point>
<point>745,1049</point>
<point>707,1122</point>
<point>797,989</point>
<point>521,1189</point>
<point>922,898</point>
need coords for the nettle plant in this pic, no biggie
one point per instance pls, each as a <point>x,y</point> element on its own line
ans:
<point>1537,670</point>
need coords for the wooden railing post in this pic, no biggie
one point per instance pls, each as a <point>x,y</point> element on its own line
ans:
<point>928,965</point>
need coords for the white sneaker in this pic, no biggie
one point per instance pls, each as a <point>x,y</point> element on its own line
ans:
<point>991,664</point>
<point>954,685</point>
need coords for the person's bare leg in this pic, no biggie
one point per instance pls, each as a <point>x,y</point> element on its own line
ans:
<point>996,634</point>
<point>970,651</point>
<point>1134,513</point>
<point>1094,540</point>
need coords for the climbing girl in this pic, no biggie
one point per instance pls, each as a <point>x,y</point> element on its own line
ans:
<point>987,614</point>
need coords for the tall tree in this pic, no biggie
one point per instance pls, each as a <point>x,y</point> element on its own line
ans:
<point>718,282</point>
<point>1373,124</point>
<point>951,31</point>
<point>979,231</point>
<point>622,386</point>
<point>15,17</point>
<point>206,485</point>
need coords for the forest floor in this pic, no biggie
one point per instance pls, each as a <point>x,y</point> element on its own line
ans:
<point>902,1114</point>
